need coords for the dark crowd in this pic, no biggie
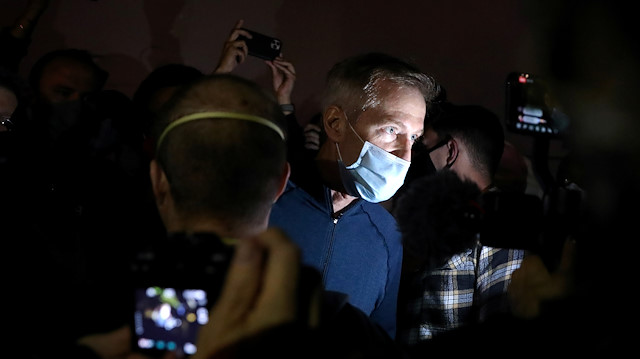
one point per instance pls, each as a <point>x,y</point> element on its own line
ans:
<point>202,218</point>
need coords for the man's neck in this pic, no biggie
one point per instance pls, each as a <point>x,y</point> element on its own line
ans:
<point>328,172</point>
<point>340,200</point>
<point>480,180</point>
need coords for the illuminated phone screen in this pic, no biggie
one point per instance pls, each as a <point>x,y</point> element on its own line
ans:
<point>169,318</point>
<point>531,108</point>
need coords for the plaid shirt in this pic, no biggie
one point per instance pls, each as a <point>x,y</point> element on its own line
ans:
<point>457,293</point>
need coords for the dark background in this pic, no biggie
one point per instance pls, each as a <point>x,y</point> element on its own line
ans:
<point>468,46</point>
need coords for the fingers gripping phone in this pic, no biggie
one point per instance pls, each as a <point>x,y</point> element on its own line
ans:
<point>174,285</point>
<point>262,46</point>
<point>176,281</point>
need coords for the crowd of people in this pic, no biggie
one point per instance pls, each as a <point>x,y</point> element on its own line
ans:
<point>359,236</point>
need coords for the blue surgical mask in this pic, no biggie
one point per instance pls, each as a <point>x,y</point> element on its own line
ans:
<point>376,175</point>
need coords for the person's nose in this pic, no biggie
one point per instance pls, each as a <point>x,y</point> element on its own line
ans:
<point>404,148</point>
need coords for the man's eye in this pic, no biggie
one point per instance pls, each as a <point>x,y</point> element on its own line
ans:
<point>414,138</point>
<point>391,130</point>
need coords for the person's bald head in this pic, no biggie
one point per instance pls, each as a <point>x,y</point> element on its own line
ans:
<point>223,165</point>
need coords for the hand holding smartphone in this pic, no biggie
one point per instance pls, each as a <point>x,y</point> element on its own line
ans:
<point>175,282</point>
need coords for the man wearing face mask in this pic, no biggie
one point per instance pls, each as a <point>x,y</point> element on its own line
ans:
<point>468,139</point>
<point>451,277</point>
<point>373,110</point>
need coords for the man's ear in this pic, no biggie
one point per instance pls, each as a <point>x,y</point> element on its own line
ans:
<point>286,172</point>
<point>334,123</point>
<point>159,183</point>
<point>453,150</point>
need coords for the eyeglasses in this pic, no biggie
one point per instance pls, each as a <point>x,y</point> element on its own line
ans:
<point>439,144</point>
<point>6,122</point>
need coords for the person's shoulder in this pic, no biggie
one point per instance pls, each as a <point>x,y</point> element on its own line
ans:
<point>296,195</point>
<point>376,209</point>
<point>380,220</point>
<point>378,215</point>
<point>291,186</point>
<point>293,193</point>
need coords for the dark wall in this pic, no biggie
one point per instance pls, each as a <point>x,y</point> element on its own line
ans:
<point>469,46</point>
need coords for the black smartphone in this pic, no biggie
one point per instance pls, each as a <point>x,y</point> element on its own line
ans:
<point>262,46</point>
<point>532,109</point>
<point>174,284</point>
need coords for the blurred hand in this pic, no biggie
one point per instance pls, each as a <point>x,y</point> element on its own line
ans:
<point>116,345</point>
<point>312,136</point>
<point>234,51</point>
<point>532,284</point>
<point>260,292</point>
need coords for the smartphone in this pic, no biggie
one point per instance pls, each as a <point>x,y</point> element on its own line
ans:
<point>532,109</point>
<point>168,319</point>
<point>174,284</point>
<point>262,46</point>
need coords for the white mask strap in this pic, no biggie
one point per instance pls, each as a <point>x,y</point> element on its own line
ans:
<point>217,114</point>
